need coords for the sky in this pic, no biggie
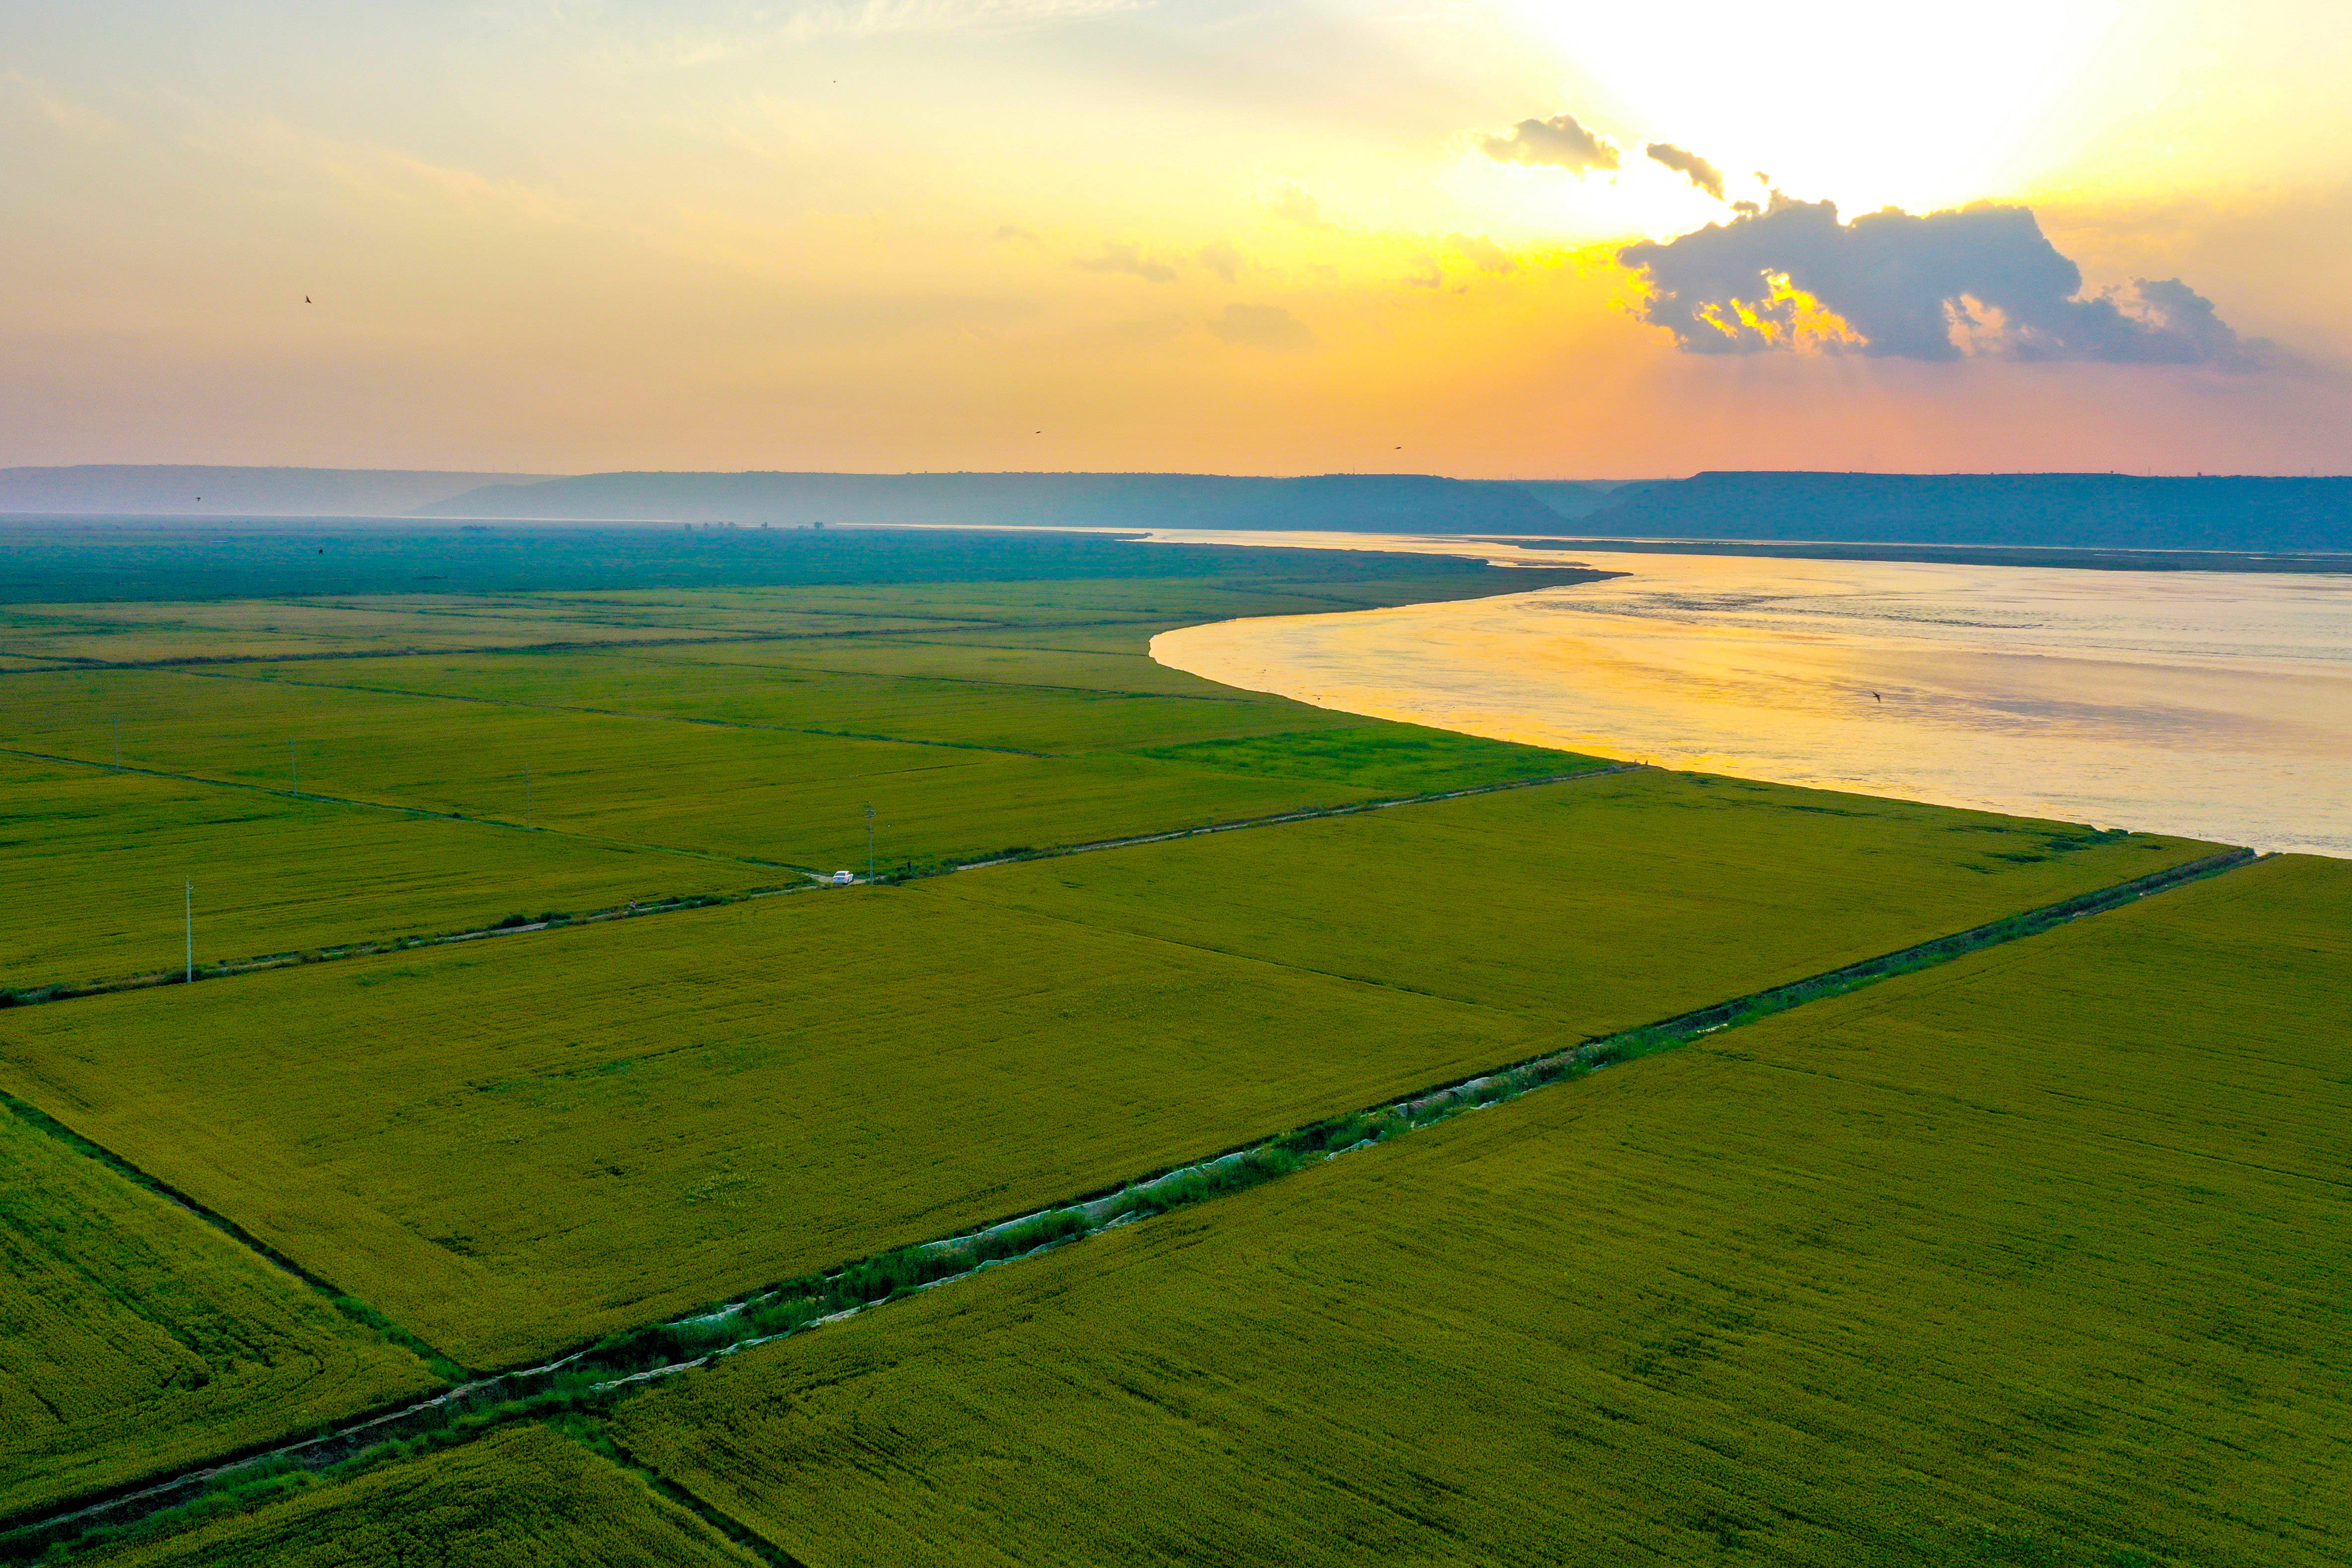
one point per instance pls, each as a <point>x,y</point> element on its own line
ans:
<point>1479,238</point>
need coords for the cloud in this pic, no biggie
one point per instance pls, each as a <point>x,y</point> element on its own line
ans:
<point>1703,175</point>
<point>68,115</point>
<point>1013,233</point>
<point>1483,253</point>
<point>1426,274</point>
<point>1300,208</point>
<point>1560,141</point>
<point>1262,327</point>
<point>1975,281</point>
<point>1126,259</point>
<point>1222,260</point>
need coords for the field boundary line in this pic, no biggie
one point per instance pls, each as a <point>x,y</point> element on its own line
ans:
<point>623,713</point>
<point>616,1366</point>
<point>196,661</point>
<point>425,812</point>
<point>710,1513</point>
<point>36,994</point>
<point>1351,808</point>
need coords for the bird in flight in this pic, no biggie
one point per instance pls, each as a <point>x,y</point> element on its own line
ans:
<point>1876,698</point>
<point>305,300</point>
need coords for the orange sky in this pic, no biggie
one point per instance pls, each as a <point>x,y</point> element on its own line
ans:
<point>1088,234</point>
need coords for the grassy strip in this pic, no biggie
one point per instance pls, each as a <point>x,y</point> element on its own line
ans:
<point>616,1367</point>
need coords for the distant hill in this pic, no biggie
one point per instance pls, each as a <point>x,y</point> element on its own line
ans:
<point>149,490</point>
<point>1403,503</point>
<point>2107,511</point>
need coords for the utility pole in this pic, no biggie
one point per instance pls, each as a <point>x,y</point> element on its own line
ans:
<point>869,842</point>
<point>192,929</point>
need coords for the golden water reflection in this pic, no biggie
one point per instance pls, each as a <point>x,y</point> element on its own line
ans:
<point>2211,703</point>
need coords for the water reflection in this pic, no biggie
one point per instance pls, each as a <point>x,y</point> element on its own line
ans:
<point>2214,704</point>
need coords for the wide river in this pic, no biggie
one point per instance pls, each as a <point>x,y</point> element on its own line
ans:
<point>2217,704</point>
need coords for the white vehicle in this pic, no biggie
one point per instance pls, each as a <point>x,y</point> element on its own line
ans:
<point>842,878</point>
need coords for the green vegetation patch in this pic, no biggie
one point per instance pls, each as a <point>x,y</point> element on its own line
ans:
<point>513,1146</point>
<point>1037,715</point>
<point>2035,1258</point>
<point>1387,758</point>
<point>778,797</point>
<point>521,1497</point>
<point>1599,905</point>
<point>134,1337</point>
<point>93,865</point>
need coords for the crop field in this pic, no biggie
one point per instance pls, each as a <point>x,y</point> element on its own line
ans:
<point>277,628</point>
<point>1033,715</point>
<point>523,1497</point>
<point>1598,906</point>
<point>93,865</point>
<point>2036,1257</point>
<point>510,1147</point>
<point>134,1337</point>
<point>696,767</point>
<point>513,1147</point>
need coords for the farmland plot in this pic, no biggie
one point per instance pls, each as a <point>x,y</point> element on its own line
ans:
<point>513,1149</point>
<point>2033,1258</point>
<point>93,865</point>
<point>1603,904</point>
<point>524,1497</point>
<point>776,797</point>
<point>134,1337</point>
<point>509,1148</point>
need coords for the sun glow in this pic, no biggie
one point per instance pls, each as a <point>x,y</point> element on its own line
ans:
<point>1865,103</point>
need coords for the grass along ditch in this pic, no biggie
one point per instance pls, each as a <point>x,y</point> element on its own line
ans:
<point>592,1378</point>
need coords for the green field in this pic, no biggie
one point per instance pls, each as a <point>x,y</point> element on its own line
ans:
<point>135,1338</point>
<point>523,1497</point>
<point>93,866</point>
<point>1596,906</point>
<point>2036,1257</point>
<point>513,1147</point>
<point>2028,1259</point>
<point>694,768</point>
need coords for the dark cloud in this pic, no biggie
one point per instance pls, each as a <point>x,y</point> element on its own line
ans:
<point>1560,141</point>
<point>1222,258</point>
<point>1126,259</point>
<point>1013,234</point>
<point>1981,280</point>
<point>1703,175</point>
<point>1262,327</point>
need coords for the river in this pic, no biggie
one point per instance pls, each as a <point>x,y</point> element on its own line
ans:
<point>2217,704</point>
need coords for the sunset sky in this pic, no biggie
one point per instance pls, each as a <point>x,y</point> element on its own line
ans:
<point>558,235</point>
